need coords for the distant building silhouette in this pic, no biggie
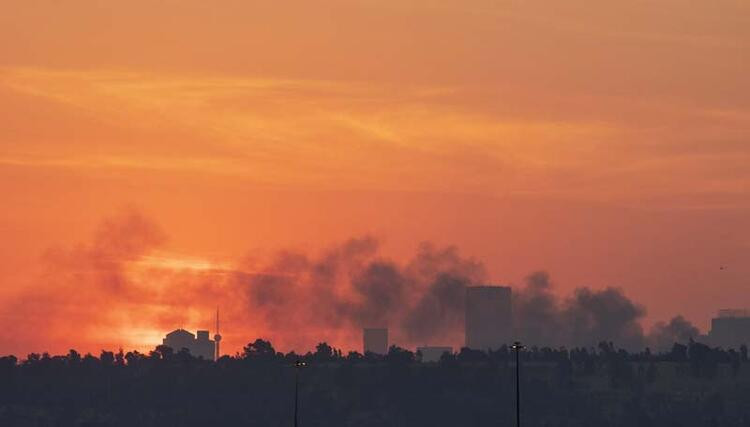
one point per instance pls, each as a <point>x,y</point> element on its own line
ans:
<point>433,354</point>
<point>375,340</point>
<point>488,317</point>
<point>730,329</point>
<point>200,346</point>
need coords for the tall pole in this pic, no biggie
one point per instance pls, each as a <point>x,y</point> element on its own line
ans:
<point>298,366</point>
<point>518,388</point>
<point>517,346</point>
<point>296,397</point>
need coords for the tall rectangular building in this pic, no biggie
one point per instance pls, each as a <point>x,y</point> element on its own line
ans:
<point>375,340</point>
<point>488,317</point>
<point>731,329</point>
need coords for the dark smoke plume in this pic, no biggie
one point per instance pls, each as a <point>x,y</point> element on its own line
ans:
<point>593,316</point>
<point>588,317</point>
<point>350,287</point>
<point>583,319</point>
<point>86,290</point>
<point>536,312</point>
<point>664,335</point>
<point>113,291</point>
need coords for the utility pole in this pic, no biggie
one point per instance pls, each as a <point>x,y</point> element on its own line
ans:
<point>298,366</point>
<point>517,346</point>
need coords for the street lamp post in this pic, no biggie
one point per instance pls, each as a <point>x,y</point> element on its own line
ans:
<point>298,365</point>
<point>517,346</point>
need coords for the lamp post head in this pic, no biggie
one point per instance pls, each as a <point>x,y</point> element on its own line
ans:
<point>300,364</point>
<point>517,346</point>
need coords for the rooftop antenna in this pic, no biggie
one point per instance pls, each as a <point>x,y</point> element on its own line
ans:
<point>217,337</point>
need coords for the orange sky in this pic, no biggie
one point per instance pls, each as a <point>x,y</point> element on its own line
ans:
<point>607,143</point>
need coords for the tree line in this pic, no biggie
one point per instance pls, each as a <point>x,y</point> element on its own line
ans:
<point>602,385</point>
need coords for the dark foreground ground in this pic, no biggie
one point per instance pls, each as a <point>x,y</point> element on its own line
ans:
<point>690,386</point>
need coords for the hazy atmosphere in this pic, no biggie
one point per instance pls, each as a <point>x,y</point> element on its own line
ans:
<point>314,167</point>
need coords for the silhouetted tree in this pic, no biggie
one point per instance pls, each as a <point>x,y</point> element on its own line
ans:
<point>399,356</point>
<point>107,358</point>
<point>471,355</point>
<point>163,352</point>
<point>324,353</point>
<point>703,363</point>
<point>561,388</point>
<point>679,353</point>
<point>259,350</point>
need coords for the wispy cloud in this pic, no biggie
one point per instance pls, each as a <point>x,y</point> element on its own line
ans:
<point>255,123</point>
<point>348,134</point>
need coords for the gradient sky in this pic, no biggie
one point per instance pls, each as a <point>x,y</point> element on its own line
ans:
<point>605,142</point>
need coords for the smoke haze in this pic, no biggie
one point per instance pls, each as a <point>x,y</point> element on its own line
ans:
<point>120,290</point>
<point>351,286</point>
<point>587,317</point>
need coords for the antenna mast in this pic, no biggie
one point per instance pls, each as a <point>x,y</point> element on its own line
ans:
<point>217,337</point>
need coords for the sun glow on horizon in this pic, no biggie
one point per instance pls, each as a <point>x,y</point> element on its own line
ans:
<point>176,262</point>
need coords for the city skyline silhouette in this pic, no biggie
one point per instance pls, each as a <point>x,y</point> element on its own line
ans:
<point>374,213</point>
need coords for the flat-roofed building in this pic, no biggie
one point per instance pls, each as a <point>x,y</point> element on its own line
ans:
<point>731,329</point>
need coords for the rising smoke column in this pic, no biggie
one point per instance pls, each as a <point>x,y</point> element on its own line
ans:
<point>99,291</point>
<point>437,314</point>
<point>81,290</point>
<point>582,319</point>
<point>536,313</point>
<point>592,316</point>
<point>678,330</point>
<point>350,287</point>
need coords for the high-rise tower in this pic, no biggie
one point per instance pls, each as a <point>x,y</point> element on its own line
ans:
<point>217,337</point>
<point>730,329</point>
<point>488,317</point>
<point>375,340</point>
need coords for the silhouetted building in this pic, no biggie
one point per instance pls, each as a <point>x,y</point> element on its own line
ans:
<point>488,317</point>
<point>433,354</point>
<point>375,340</point>
<point>179,339</point>
<point>200,346</point>
<point>205,347</point>
<point>730,329</point>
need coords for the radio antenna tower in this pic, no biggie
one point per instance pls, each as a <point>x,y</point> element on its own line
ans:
<point>217,337</point>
